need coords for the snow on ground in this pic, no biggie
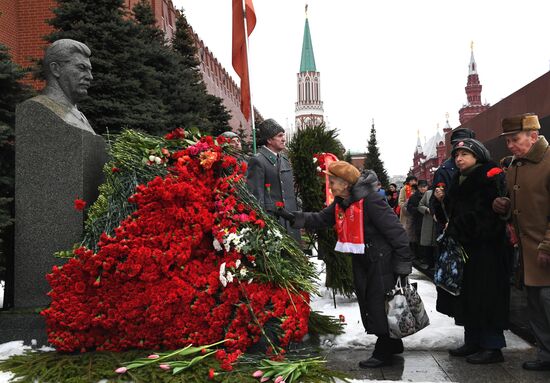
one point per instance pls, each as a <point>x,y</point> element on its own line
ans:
<point>441,334</point>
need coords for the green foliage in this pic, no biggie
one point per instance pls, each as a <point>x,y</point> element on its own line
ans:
<point>310,189</point>
<point>347,156</point>
<point>53,367</point>
<point>373,161</point>
<point>140,81</point>
<point>12,92</point>
<point>320,324</point>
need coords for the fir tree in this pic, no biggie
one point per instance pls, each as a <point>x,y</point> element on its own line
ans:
<point>373,161</point>
<point>195,101</point>
<point>311,190</point>
<point>347,156</point>
<point>12,92</point>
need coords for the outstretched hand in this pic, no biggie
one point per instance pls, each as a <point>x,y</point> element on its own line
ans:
<point>283,213</point>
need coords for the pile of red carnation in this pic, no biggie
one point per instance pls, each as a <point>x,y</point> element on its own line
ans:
<point>157,283</point>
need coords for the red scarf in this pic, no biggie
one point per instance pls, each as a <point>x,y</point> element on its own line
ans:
<point>349,227</point>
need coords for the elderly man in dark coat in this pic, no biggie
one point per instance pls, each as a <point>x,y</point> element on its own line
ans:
<point>269,176</point>
<point>528,180</point>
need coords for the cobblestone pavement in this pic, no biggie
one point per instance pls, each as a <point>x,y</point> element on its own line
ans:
<point>438,366</point>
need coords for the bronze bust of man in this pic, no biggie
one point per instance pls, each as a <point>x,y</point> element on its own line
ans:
<point>68,76</point>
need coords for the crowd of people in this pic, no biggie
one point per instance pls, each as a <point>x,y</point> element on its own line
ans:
<point>498,213</point>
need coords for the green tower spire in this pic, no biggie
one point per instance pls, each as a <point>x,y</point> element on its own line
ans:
<point>308,59</point>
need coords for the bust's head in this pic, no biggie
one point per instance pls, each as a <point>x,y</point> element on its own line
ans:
<point>67,67</point>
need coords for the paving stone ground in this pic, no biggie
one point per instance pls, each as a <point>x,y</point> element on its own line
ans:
<point>438,366</point>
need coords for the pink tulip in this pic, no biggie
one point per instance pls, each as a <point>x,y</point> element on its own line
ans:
<point>257,374</point>
<point>153,356</point>
<point>264,379</point>
<point>279,379</point>
<point>121,370</point>
<point>164,367</point>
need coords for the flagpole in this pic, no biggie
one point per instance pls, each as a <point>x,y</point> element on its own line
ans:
<point>252,120</point>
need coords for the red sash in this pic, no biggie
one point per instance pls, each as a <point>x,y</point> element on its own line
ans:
<point>349,227</point>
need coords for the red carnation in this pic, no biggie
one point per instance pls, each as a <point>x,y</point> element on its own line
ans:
<point>115,169</point>
<point>211,374</point>
<point>493,172</point>
<point>79,204</point>
<point>440,185</point>
<point>267,186</point>
<point>280,204</point>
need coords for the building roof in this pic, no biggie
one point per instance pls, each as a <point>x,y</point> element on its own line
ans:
<point>308,59</point>
<point>429,149</point>
<point>472,67</point>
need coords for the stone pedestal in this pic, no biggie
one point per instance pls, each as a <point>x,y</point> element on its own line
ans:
<point>55,163</point>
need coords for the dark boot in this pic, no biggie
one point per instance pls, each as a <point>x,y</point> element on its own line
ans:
<point>486,357</point>
<point>464,350</point>
<point>373,362</point>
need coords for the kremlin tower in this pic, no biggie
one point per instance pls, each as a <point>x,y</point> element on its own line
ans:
<point>473,93</point>
<point>309,107</point>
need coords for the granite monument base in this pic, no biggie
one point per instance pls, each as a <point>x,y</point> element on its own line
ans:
<point>55,163</point>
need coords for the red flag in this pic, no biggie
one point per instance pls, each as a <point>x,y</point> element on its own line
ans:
<point>240,59</point>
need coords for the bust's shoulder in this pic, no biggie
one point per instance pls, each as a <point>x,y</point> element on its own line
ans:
<point>47,102</point>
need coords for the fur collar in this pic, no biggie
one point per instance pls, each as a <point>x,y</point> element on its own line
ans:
<point>474,181</point>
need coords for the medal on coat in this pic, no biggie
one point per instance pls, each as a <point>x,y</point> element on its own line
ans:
<point>349,227</point>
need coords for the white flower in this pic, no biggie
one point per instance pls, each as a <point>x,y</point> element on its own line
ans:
<point>243,272</point>
<point>217,245</point>
<point>319,169</point>
<point>158,160</point>
<point>314,160</point>
<point>223,280</point>
<point>229,277</point>
<point>237,263</point>
<point>152,158</point>
<point>222,269</point>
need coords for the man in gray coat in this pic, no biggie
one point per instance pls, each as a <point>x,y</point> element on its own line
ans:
<point>269,176</point>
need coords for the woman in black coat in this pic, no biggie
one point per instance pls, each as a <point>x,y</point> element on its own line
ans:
<point>483,304</point>
<point>377,242</point>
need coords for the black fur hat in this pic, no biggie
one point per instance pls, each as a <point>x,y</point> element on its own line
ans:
<point>475,147</point>
<point>268,129</point>
<point>461,133</point>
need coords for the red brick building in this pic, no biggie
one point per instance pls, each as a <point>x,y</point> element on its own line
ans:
<point>23,25</point>
<point>473,94</point>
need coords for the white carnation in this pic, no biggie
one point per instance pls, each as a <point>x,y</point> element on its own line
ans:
<point>217,245</point>
<point>223,280</point>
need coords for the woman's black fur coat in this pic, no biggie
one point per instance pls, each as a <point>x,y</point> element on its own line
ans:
<point>485,294</point>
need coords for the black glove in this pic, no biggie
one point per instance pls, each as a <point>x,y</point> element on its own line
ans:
<point>283,213</point>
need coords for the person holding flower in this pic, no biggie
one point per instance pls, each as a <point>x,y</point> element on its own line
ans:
<point>369,230</point>
<point>269,176</point>
<point>465,207</point>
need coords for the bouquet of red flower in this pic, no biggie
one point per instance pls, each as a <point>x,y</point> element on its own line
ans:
<point>193,261</point>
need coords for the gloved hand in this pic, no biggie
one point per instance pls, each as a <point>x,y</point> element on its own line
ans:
<point>283,213</point>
